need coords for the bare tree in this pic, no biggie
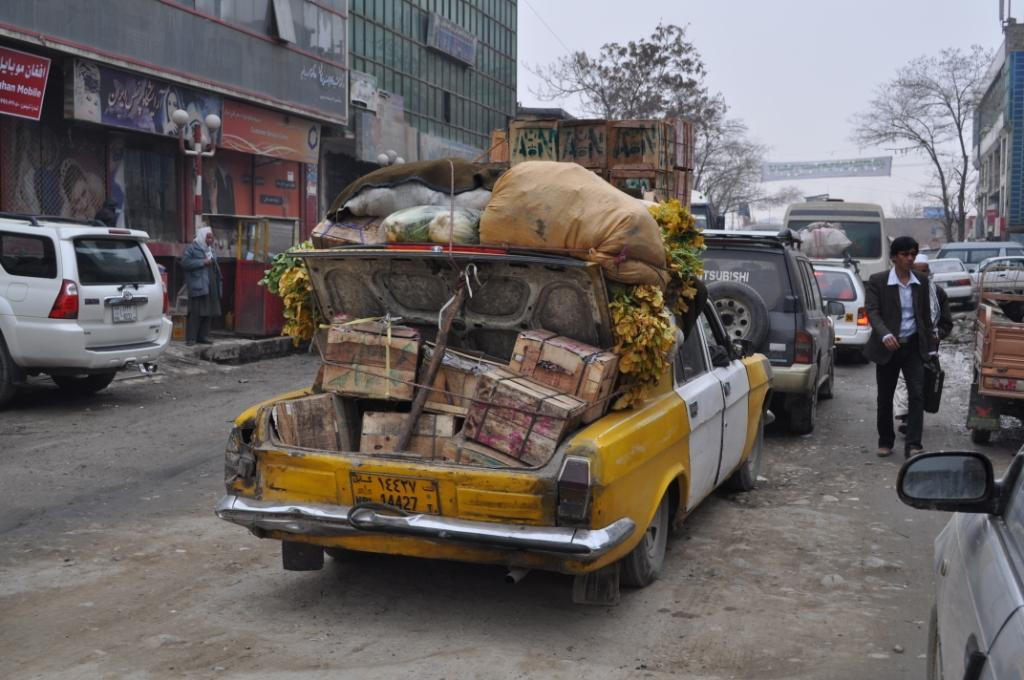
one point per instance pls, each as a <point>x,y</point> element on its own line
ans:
<point>906,209</point>
<point>928,108</point>
<point>654,77</point>
<point>728,165</point>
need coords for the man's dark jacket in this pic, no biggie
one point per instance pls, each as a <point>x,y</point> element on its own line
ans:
<point>884,313</point>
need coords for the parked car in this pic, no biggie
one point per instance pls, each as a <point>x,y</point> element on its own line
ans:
<point>842,285</point>
<point>78,301</point>
<point>766,295</point>
<point>1001,274</point>
<point>605,497</point>
<point>971,253</point>
<point>976,626</point>
<point>951,275</point>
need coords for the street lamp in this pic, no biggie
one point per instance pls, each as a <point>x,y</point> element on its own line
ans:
<point>197,150</point>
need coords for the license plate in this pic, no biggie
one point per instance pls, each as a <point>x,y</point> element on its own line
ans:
<point>411,494</point>
<point>124,313</point>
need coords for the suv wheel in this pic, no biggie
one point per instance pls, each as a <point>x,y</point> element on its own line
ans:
<point>743,312</point>
<point>7,371</point>
<point>84,384</point>
<point>802,411</point>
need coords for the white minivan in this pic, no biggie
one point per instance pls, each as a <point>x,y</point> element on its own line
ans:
<point>841,285</point>
<point>78,301</point>
<point>863,223</point>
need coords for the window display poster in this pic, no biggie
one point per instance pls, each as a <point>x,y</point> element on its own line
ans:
<point>250,129</point>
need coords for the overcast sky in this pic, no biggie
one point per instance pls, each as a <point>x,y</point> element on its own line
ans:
<point>794,71</point>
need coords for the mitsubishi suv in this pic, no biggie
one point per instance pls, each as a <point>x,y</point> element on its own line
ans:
<point>768,298</point>
<point>78,301</point>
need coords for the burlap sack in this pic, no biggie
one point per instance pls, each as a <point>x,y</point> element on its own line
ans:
<point>566,208</point>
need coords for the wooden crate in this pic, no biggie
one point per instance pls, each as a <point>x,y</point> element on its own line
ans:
<point>455,382</point>
<point>316,422</point>
<point>661,184</point>
<point>569,366</point>
<point>521,417</point>
<point>467,452</point>
<point>362,360</point>
<point>584,142</point>
<point>640,145</point>
<point>346,229</point>
<point>533,140</point>
<point>381,429</point>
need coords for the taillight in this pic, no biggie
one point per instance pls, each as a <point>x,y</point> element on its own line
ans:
<point>862,316</point>
<point>574,491</point>
<point>66,304</point>
<point>804,347</point>
<point>960,282</point>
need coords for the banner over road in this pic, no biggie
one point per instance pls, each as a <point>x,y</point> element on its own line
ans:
<point>880,166</point>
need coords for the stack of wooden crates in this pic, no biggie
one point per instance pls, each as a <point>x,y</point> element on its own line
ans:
<point>479,412</point>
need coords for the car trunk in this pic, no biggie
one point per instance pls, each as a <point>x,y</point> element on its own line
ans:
<point>349,464</point>
<point>121,300</point>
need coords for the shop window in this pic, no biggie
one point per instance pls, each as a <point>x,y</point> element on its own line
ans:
<point>250,14</point>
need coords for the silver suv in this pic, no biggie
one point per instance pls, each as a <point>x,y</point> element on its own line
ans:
<point>78,302</point>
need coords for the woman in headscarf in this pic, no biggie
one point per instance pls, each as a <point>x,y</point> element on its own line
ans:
<point>200,265</point>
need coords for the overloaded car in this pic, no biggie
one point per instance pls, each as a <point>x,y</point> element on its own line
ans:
<point>79,301</point>
<point>500,468</point>
<point>976,626</point>
<point>767,296</point>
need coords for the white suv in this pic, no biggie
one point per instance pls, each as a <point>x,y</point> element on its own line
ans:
<point>78,301</point>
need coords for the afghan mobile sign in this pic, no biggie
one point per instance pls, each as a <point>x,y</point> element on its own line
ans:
<point>880,166</point>
<point>22,83</point>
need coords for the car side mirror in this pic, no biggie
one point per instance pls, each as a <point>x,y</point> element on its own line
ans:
<point>742,347</point>
<point>953,481</point>
<point>833,308</point>
<point>719,356</point>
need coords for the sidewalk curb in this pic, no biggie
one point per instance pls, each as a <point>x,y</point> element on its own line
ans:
<point>234,350</point>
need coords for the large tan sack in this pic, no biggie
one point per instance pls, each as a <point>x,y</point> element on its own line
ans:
<point>564,206</point>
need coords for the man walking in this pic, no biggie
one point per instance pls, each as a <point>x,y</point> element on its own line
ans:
<point>899,309</point>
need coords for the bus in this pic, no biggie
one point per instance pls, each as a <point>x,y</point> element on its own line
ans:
<point>864,224</point>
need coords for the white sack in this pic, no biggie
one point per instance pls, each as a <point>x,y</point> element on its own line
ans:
<point>823,239</point>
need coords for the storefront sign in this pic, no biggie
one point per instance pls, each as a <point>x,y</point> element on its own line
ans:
<point>267,133</point>
<point>22,83</point>
<point>113,97</point>
<point>446,36</point>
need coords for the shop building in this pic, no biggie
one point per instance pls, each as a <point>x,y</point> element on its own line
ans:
<point>87,93</point>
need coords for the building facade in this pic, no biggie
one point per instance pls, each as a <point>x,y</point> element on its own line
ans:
<point>999,142</point>
<point>88,89</point>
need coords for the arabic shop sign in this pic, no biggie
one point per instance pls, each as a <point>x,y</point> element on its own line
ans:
<point>880,166</point>
<point>446,36</point>
<point>110,96</point>
<point>22,83</point>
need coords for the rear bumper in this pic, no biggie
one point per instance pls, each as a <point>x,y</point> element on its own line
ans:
<point>795,378</point>
<point>853,338</point>
<point>312,519</point>
<point>45,345</point>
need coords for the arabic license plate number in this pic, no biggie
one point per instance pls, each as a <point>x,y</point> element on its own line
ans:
<point>124,313</point>
<point>411,494</point>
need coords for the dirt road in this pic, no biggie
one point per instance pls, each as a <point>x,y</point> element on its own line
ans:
<point>112,564</point>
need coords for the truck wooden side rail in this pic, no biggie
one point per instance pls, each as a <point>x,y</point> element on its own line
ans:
<point>997,388</point>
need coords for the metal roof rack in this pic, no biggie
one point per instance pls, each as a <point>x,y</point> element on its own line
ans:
<point>70,220</point>
<point>20,216</point>
<point>785,237</point>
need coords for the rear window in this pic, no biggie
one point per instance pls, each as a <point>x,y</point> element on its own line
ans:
<point>836,286</point>
<point>24,255</point>
<point>866,237</point>
<point>1014,252</point>
<point>939,267</point>
<point>111,261</point>
<point>764,272</point>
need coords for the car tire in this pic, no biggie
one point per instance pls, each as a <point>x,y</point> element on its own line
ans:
<point>641,567</point>
<point>826,389</point>
<point>7,375</point>
<point>933,666</point>
<point>745,477</point>
<point>742,311</point>
<point>980,436</point>
<point>338,554</point>
<point>802,411</point>
<point>84,384</point>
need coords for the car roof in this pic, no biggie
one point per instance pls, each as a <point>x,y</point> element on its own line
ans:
<point>69,227</point>
<point>981,244</point>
